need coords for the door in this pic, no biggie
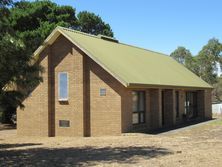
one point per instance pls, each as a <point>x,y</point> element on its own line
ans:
<point>191,105</point>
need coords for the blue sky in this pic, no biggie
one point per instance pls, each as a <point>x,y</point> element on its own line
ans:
<point>159,25</point>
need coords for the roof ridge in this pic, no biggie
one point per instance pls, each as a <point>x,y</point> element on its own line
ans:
<point>95,36</point>
<point>78,32</point>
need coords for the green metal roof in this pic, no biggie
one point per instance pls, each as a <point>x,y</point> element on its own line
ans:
<point>132,65</point>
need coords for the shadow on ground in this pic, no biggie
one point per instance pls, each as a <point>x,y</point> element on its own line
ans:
<point>7,127</point>
<point>84,156</point>
<point>7,146</point>
<point>180,126</point>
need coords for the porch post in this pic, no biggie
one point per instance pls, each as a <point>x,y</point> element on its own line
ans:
<point>208,104</point>
<point>155,108</point>
<point>169,108</point>
<point>200,104</point>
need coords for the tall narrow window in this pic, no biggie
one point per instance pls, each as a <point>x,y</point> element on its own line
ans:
<point>177,104</point>
<point>138,98</point>
<point>63,86</point>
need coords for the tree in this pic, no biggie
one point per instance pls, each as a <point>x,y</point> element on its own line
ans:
<point>181,54</point>
<point>15,67</point>
<point>184,56</point>
<point>207,60</point>
<point>4,3</point>
<point>15,71</point>
<point>93,24</point>
<point>217,91</point>
<point>23,27</point>
<point>33,21</point>
<point>4,12</point>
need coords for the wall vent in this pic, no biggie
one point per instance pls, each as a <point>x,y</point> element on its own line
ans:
<point>64,123</point>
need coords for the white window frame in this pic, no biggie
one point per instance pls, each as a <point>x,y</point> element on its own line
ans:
<point>63,99</point>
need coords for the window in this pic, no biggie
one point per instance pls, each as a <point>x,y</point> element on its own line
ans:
<point>138,98</point>
<point>64,123</point>
<point>63,86</point>
<point>177,104</point>
<point>102,92</point>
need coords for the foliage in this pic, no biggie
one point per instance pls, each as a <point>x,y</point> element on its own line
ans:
<point>15,65</point>
<point>15,69</point>
<point>4,3</point>
<point>33,21</point>
<point>23,27</point>
<point>90,23</point>
<point>204,64</point>
<point>184,56</point>
<point>207,59</point>
<point>217,91</point>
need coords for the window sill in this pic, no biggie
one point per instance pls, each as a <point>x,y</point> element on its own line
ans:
<point>63,100</point>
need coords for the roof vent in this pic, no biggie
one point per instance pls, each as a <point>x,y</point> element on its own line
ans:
<point>108,38</point>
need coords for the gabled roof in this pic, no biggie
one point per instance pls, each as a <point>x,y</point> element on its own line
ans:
<point>132,66</point>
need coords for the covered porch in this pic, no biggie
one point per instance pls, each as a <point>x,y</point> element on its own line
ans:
<point>164,108</point>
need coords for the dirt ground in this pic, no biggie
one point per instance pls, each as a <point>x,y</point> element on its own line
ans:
<point>197,146</point>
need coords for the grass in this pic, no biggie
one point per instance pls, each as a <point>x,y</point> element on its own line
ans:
<point>217,122</point>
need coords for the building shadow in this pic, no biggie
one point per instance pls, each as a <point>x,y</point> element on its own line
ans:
<point>7,127</point>
<point>7,146</point>
<point>179,126</point>
<point>76,156</point>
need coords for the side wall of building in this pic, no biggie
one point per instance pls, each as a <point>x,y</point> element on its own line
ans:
<point>88,113</point>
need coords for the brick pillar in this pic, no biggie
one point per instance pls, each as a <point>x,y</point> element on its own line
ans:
<point>200,103</point>
<point>148,113</point>
<point>208,104</point>
<point>86,100</point>
<point>169,108</point>
<point>204,105</point>
<point>51,95</point>
<point>155,108</point>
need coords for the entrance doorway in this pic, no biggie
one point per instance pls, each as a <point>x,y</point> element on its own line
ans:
<point>191,105</point>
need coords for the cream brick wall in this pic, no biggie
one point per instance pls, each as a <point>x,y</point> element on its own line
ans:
<point>105,111</point>
<point>68,59</point>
